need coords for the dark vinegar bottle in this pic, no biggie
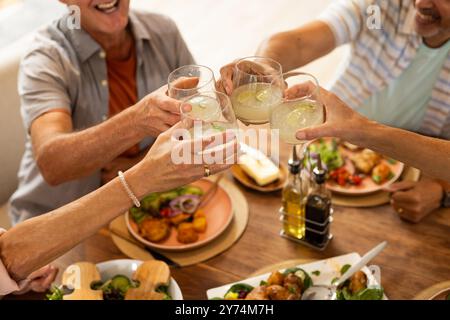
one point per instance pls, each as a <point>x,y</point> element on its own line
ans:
<point>318,208</point>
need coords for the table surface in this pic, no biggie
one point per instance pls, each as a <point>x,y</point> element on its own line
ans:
<point>417,257</point>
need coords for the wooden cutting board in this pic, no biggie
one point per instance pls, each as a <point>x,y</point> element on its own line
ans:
<point>151,275</point>
<point>79,276</point>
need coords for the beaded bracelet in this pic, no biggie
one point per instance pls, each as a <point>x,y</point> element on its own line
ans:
<point>128,190</point>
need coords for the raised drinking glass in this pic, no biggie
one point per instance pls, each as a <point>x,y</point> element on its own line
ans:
<point>208,113</point>
<point>300,108</point>
<point>190,80</point>
<point>256,89</point>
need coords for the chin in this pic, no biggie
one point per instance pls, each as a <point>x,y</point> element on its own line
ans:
<point>427,30</point>
<point>111,21</point>
<point>113,26</point>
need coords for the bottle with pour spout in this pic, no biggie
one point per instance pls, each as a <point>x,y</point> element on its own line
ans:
<point>318,208</point>
<point>294,200</point>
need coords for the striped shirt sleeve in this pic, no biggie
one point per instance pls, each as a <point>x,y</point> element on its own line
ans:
<point>346,19</point>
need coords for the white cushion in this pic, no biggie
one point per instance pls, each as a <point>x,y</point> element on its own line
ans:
<point>12,134</point>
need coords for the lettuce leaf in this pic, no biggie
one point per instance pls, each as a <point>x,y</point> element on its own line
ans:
<point>364,294</point>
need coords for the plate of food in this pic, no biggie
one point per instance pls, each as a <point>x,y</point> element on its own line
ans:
<point>291,283</point>
<point>258,172</point>
<point>168,220</point>
<point>353,170</point>
<point>115,280</point>
<point>440,291</point>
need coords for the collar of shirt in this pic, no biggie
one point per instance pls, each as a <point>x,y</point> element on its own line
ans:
<point>86,46</point>
<point>406,23</point>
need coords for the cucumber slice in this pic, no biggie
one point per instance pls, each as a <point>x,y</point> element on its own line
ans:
<point>151,203</point>
<point>121,282</point>
<point>192,191</point>
<point>138,214</point>
<point>168,196</point>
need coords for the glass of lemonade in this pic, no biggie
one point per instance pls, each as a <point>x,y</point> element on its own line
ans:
<point>255,90</point>
<point>300,108</point>
<point>208,113</point>
<point>190,80</point>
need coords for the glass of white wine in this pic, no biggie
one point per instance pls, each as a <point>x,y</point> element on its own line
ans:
<point>254,91</point>
<point>190,80</point>
<point>300,108</point>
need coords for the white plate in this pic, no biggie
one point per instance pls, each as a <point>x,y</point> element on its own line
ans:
<point>127,268</point>
<point>329,269</point>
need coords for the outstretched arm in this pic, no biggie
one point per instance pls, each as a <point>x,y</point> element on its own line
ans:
<point>430,155</point>
<point>91,149</point>
<point>36,242</point>
<point>296,48</point>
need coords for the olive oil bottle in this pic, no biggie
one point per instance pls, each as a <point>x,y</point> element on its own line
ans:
<point>294,199</point>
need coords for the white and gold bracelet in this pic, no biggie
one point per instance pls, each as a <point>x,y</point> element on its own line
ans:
<point>128,190</point>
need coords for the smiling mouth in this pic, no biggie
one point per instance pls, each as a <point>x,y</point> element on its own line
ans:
<point>108,7</point>
<point>427,18</point>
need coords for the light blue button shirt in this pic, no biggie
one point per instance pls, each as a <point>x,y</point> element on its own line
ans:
<point>404,101</point>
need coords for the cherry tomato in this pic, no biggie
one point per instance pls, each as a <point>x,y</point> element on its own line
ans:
<point>355,180</point>
<point>334,174</point>
<point>165,212</point>
<point>341,181</point>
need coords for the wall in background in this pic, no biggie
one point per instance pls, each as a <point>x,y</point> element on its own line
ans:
<point>216,31</point>
<point>20,17</point>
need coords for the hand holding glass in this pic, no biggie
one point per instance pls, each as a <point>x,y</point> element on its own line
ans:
<point>300,108</point>
<point>253,94</point>
<point>208,113</point>
<point>190,80</point>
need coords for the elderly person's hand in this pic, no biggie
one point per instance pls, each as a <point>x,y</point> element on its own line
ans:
<point>341,121</point>
<point>162,163</point>
<point>225,83</point>
<point>30,245</point>
<point>157,112</point>
<point>38,281</point>
<point>413,201</point>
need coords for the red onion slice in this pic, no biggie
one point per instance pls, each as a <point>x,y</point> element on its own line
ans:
<point>186,203</point>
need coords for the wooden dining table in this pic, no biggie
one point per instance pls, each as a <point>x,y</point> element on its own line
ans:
<point>417,255</point>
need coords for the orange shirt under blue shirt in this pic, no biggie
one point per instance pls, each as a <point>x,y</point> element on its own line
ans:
<point>123,88</point>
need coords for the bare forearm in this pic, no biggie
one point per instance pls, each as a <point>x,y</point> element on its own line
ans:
<point>110,171</point>
<point>75,155</point>
<point>298,47</point>
<point>430,155</point>
<point>38,241</point>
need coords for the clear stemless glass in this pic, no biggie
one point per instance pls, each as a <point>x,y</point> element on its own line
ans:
<point>208,113</point>
<point>190,80</point>
<point>254,93</point>
<point>300,108</point>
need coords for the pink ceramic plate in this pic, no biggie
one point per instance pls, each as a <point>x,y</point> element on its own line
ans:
<point>368,185</point>
<point>219,214</point>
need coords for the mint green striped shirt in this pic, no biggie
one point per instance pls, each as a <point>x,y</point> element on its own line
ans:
<point>380,55</point>
<point>404,101</point>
